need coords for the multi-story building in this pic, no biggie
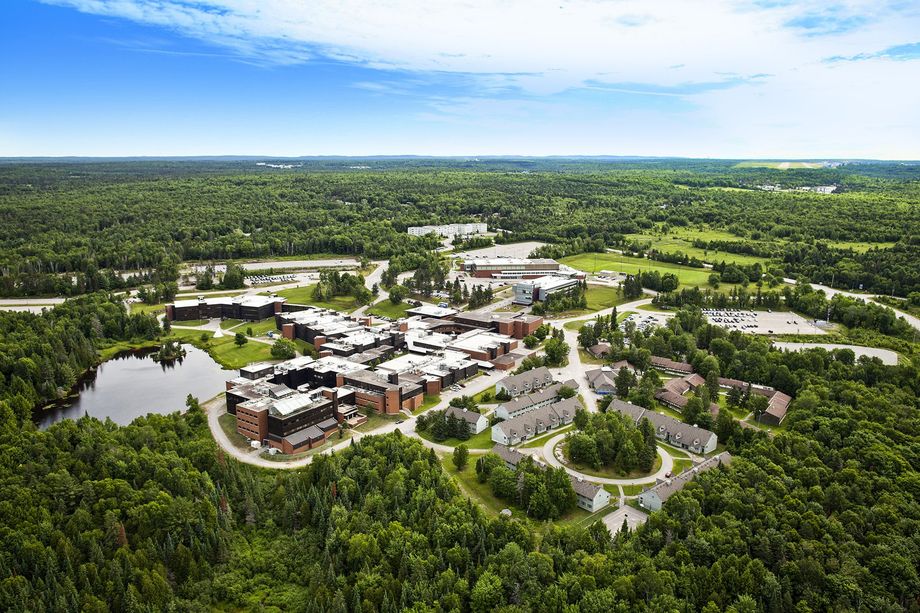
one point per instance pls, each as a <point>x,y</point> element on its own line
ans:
<point>654,497</point>
<point>248,308</point>
<point>538,290</point>
<point>449,230</point>
<point>668,429</point>
<point>525,383</point>
<point>385,394</point>
<point>523,403</point>
<point>526,425</point>
<point>517,325</point>
<point>510,268</point>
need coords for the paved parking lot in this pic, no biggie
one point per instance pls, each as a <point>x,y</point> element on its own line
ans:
<point>762,322</point>
<point>511,250</point>
<point>634,519</point>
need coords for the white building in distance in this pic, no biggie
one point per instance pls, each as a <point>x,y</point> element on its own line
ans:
<point>449,230</point>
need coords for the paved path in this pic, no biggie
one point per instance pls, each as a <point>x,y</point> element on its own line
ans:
<point>634,518</point>
<point>667,465</point>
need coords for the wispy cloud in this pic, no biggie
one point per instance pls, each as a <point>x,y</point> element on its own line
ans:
<point>770,71</point>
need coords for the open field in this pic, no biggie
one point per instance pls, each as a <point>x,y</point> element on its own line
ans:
<point>778,165</point>
<point>385,308</point>
<point>860,247</point>
<point>593,262</point>
<point>304,295</point>
<point>483,440</point>
<point>682,240</point>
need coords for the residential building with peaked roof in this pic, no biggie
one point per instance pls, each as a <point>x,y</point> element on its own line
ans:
<point>654,497</point>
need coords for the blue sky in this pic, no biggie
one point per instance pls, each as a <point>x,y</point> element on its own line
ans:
<point>722,78</point>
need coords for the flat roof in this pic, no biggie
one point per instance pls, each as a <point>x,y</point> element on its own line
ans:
<point>430,310</point>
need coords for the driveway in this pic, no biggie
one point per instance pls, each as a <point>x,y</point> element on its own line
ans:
<point>634,518</point>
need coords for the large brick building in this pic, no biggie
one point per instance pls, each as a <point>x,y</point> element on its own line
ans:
<point>248,308</point>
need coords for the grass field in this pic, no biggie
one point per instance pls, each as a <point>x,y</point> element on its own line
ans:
<point>633,490</point>
<point>261,327</point>
<point>304,295</point>
<point>491,391</point>
<point>859,246</point>
<point>191,323</point>
<point>227,354</point>
<point>153,309</point>
<point>483,440</point>
<point>385,308</point>
<point>682,240</point>
<point>228,425</point>
<point>593,262</point>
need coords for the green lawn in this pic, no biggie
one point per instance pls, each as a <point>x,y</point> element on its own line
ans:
<point>427,403</point>
<point>191,322</point>
<point>304,347</point>
<point>680,466</point>
<point>154,309</point>
<point>376,420</point>
<point>483,440</point>
<point>227,324</point>
<point>860,246</point>
<point>599,297</point>
<point>634,490</point>
<point>227,354</point>
<point>594,262</point>
<point>261,327</point>
<point>228,425</point>
<point>385,308</point>
<point>490,390</point>
<point>539,441</point>
<point>682,240</point>
<point>304,295</point>
<point>576,325</point>
<point>480,493</point>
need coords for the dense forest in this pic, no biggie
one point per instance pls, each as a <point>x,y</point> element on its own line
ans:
<point>152,516</point>
<point>67,228</point>
<point>822,514</point>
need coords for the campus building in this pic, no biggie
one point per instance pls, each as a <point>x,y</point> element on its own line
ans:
<point>435,371</point>
<point>538,290</point>
<point>510,268</point>
<point>476,422</point>
<point>286,419</point>
<point>334,333</point>
<point>523,403</point>
<point>654,497</point>
<point>516,325</point>
<point>674,432</point>
<point>528,424</point>
<point>248,308</point>
<point>526,382</point>
<point>384,394</point>
<point>449,230</point>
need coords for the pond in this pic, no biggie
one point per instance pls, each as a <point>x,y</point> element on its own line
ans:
<point>132,384</point>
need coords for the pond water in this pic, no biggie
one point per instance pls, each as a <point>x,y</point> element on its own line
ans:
<point>133,384</point>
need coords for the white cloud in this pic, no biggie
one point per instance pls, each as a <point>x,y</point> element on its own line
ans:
<point>538,49</point>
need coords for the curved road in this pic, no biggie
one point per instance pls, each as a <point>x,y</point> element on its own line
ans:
<point>667,465</point>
